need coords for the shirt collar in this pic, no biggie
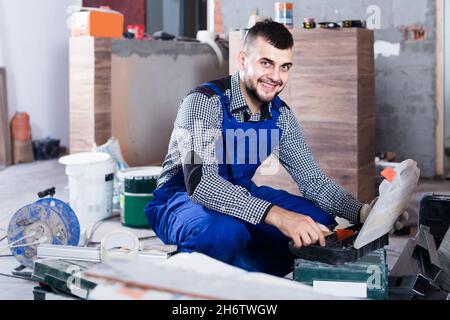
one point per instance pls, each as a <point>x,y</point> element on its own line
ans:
<point>238,103</point>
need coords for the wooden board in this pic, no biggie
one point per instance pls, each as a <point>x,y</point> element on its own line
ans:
<point>90,93</point>
<point>5,136</point>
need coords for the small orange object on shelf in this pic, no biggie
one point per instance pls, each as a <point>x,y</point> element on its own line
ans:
<point>389,174</point>
<point>97,22</point>
<point>138,30</point>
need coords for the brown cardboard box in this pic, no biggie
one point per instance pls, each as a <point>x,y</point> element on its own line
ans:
<point>22,152</point>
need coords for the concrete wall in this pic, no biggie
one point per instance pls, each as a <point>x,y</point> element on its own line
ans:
<point>149,80</point>
<point>405,66</point>
<point>34,45</point>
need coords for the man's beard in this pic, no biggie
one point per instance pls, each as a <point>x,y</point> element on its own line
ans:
<point>253,92</point>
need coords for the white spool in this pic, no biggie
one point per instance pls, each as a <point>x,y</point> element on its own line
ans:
<point>122,239</point>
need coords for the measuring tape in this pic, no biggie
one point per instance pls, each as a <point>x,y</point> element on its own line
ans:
<point>119,245</point>
<point>309,23</point>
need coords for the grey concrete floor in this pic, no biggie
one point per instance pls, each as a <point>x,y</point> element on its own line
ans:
<point>20,184</point>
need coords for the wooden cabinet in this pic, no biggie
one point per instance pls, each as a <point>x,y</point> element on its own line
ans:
<point>331,91</point>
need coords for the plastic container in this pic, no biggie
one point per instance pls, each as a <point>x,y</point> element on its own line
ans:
<point>338,251</point>
<point>91,177</point>
<point>435,213</point>
<point>136,190</point>
<point>98,23</point>
<point>284,14</point>
<point>309,23</point>
<point>394,199</point>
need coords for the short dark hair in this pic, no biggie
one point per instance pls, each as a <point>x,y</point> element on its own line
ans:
<point>273,32</point>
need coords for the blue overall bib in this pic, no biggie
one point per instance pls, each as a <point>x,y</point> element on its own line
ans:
<point>195,228</point>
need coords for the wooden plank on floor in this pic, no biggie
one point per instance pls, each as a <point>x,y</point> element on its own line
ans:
<point>5,137</point>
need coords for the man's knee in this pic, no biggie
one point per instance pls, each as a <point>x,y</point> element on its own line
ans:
<point>218,236</point>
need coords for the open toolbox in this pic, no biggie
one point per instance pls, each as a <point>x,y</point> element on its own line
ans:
<point>339,247</point>
<point>351,244</point>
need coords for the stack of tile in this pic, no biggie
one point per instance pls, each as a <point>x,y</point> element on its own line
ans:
<point>90,92</point>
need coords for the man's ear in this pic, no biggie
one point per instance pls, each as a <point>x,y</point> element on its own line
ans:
<point>241,60</point>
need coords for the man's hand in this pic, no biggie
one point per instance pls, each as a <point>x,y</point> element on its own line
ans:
<point>367,208</point>
<point>300,228</point>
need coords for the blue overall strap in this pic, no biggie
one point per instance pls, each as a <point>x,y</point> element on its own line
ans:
<point>276,102</point>
<point>223,98</point>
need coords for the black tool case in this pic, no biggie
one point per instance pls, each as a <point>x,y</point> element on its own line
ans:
<point>435,213</point>
<point>338,251</point>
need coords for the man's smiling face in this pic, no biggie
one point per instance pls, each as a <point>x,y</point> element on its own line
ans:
<point>264,69</point>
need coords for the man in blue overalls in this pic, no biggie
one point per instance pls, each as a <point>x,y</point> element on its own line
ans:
<point>206,200</point>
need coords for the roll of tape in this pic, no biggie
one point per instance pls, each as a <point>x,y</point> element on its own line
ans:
<point>119,245</point>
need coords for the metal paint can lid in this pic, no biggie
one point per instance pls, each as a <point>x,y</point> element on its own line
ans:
<point>140,173</point>
<point>142,180</point>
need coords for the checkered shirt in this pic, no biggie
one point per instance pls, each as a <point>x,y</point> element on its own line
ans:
<point>199,112</point>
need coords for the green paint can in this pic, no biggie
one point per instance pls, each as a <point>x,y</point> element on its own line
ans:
<point>136,190</point>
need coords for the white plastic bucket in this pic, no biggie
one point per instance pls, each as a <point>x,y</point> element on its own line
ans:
<point>91,179</point>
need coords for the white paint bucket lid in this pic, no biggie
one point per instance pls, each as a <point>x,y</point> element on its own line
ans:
<point>89,162</point>
<point>85,158</point>
<point>140,172</point>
